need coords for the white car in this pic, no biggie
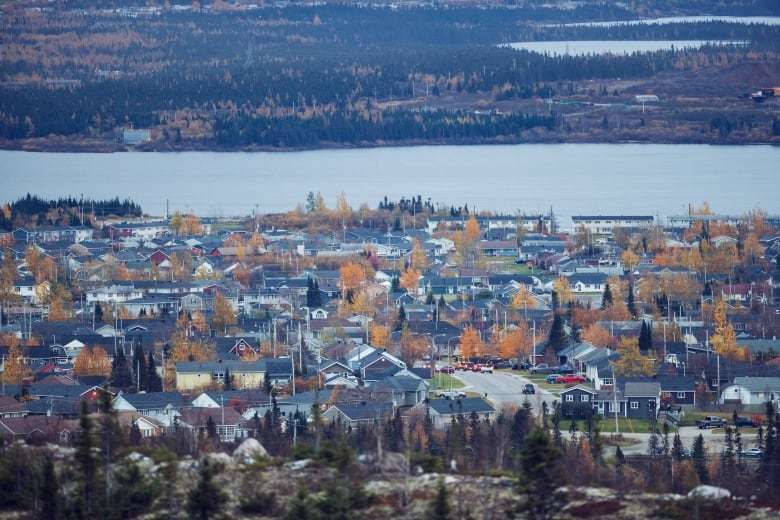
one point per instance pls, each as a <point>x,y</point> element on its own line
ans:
<point>451,394</point>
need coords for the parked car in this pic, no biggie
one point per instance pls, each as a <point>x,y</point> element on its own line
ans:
<point>711,421</point>
<point>745,422</point>
<point>476,367</point>
<point>502,364</point>
<point>570,378</point>
<point>451,394</point>
<point>541,368</point>
<point>446,369</point>
<point>520,366</point>
<point>528,388</point>
<point>564,369</point>
<point>487,369</point>
<point>753,453</point>
<point>551,378</point>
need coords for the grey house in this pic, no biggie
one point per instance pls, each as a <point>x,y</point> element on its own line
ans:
<point>577,402</point>
<point>643,399</point>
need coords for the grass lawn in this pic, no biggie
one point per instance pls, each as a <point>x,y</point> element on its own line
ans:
<point>625,425</point>
<point>446,381</point>
<point>690,418</point>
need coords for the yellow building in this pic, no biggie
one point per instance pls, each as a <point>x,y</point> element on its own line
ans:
<point>191,375</point>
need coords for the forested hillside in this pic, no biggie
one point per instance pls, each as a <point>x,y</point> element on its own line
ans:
<point>341,75</point>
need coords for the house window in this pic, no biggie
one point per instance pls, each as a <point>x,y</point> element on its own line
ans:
<point>606,382</point>
<point>218,376</point>
<point>569,398</point>
<point>635,405</point>
<point>585,398</point>
<point>613,407</point>
<point>680,395</point>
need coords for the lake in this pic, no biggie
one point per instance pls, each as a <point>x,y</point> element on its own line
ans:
<point>573,179</point>
<point>760,20</point>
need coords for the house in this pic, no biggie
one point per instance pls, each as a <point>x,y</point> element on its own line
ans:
<point>606,224</point>
<point>36,429</point>
<point>404,391</point>
<point>146,426</point>
<point>237,399</point>
<point>379,364</point>
<point>353,415</point>
<point>442,411</point>
<point>751,391</point>
<point>161,406</point>
<point>227,422</point>
<point>577,402</point>
<point>643,399</point>
<point>191,375</point>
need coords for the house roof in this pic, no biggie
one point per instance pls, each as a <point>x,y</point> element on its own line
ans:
<point>759,384</point>
<point>365,410</point>
<point>198,417</point>
<point>149,400</point>
<point>580,388</point>
<point>634,389</point>
<point>400,384</point>
<point>465,405</point>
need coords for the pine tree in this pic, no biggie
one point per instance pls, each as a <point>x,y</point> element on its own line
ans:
<point>606,298</point>
<point>85,504</point>
<point>51,503</point>
<point>630,302</point>
<point>153,378</point>
<point>699,458</point>
<point>440,509</point>
<point>541,474</point>
<point>677,448</point>
<point>558,339</point>
<point>206,499</point>
<point>121,376</point>
<point>228,383</point>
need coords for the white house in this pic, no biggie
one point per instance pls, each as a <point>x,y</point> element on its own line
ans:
<point>751,390</point>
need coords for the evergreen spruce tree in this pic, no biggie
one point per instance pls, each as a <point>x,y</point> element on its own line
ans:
<point>85,505</point>
<point>558,339</point>
<point>630,301</point>
<point>51,503</point>
<point>153,378</point>
<point>606,297</point>
<point>401,317</point>
<point>121,376</point>
<point>228,383</point>
<point>206,499</point>
<point>677,448</point>
<point>699,458</point>
<point>441,509</point>
<point>541,474</point>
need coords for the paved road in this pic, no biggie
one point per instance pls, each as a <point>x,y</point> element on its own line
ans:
<point>505,388</point>
<point>501,388</point>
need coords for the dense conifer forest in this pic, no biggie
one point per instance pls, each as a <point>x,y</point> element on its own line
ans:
<point>302,76</point>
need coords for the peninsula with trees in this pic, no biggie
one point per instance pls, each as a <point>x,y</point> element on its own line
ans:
<point>110,76</point>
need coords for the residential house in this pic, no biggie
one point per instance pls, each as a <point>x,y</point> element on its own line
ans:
<point>227,423</point>
<point>577,402</point>
<point>355,415</point>
<point>643,399</point>
<point>404,391</point>
<point>751,391</point>
<point>38,429</point>
<point>442,411</point>
<point>191,375</point>
<point>161,406</point>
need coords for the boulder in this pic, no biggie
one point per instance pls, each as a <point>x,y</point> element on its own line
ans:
<point>249,451</point>
<point>712,492</point>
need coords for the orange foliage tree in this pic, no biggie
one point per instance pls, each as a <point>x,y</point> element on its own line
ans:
<point>471,344</point>
<point>92,361</point>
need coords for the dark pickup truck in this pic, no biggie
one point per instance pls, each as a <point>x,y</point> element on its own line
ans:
<point>711,421</point>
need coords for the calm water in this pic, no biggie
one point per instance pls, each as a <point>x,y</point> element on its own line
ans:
<point>762,20</point>
<point>573,179</point>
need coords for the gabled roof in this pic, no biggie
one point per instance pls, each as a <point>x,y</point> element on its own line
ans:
<point>400,384</point>
<point>759,384</point>
<point>199,417</point>
<point>465,405</point>
<point>634,389</point>
<point>154,400</point>
<point>580,388</point>
<point>365,410</point>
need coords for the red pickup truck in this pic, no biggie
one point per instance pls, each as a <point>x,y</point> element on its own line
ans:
<point>570,378</point>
